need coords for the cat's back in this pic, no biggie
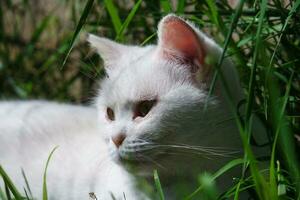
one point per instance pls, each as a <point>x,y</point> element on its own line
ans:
<point>16,116</point>
<point>26,109</point>
<point>42,123</point>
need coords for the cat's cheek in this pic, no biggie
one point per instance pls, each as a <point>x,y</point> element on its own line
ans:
<point>113,151</point>
<point>106,140</point>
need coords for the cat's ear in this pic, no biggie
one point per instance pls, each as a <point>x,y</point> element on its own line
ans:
<point>109,50</point>
<point>178,40</point>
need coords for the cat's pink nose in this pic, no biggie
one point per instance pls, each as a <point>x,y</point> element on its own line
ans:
<point>118,139</point>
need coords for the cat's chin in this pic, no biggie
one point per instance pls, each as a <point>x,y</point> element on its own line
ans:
<point>137,167</point>
<point>125,159</point>
<point>141,167</point>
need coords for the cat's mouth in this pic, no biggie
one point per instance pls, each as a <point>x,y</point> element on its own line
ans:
<point>140,155</point>
<point>137,153</point>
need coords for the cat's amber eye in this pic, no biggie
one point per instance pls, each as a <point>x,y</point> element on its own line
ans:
<point>110,114</point>
<point>143,108</point>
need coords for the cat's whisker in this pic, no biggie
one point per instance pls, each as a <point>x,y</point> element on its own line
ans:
<point>141,145</point>
<point>220,149</point>
<point>199,150</point>
<point>206,154</point>
<point>134,144</point>
<point>188,154</point>
<point>137,148</point>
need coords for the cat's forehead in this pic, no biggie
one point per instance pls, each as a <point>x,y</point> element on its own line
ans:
<point>142,75</point>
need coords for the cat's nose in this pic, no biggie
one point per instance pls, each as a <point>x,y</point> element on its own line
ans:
<point>118,139</point>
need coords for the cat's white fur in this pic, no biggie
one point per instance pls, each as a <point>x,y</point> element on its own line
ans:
<point>80,165</point>
<point>87,160</point>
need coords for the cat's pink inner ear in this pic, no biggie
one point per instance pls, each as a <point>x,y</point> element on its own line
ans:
<point>178,39</point>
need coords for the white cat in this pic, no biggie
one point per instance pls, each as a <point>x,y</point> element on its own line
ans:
<point>152,112</point>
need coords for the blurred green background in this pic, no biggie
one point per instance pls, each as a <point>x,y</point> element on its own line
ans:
<point>35,36</point>
<point>262,37</point>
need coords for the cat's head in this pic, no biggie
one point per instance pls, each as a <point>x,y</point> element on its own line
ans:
<point>152,100</point>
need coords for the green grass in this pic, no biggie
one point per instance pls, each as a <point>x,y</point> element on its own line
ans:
<point>262,37</point>
<point>45,192</point>
<point>9,186</point>
<point>79,26</point>
<point>158,186</point>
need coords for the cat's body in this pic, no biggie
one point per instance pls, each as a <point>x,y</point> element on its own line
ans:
<point>29,131</point>
<point>153,112</point>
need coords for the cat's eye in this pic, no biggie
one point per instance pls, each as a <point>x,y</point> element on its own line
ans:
<point>110,114</point>
<point>143,108</point>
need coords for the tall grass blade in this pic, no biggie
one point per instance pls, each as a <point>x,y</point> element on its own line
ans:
<point>233,24</point>
<point>113,13</point>
<point>41,28</point>
<point>45,193</point>
<point>148,39</point>
<point>7,192</point>
<point>128,20</point>
<point>278,128</point>
<point>215,15</point>
<point>209,187</point>
<point>158,186</point>
<point>237,191</point>
<point>262,190</point>
<point>217,174</point>
<point>285,136</point>
<point>166,6</point>
<point>260,183</point>
<point>27,184</point>
<point>180,7</point>
<point>291,13</point>
<point>2,195</point>
<point>26,195</point>
<point>83,17</point>
<point>263,8</point>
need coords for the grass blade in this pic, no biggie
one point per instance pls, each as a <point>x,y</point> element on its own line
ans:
<point>292,11</point>
<point>84,15</point>
<point>45,193</point>
<point>166,6</point>
<point>209,186</point>
<point>7,192</point>
<point>233,24</point>
<point>263,8</point>
<point>221,171</point>
<point>285,135</point>
<point>26,195</point>
<point>148,39</point>
<point>113,12</point>
<point>215,15</point>
<point>128,20</point>
<point>27,184</point>
<point>180,6</point>
<point>281,115</point>
<point>10,184</point>
<point>158,186</point>
<point>2,195</point>
<point>40,28</point>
